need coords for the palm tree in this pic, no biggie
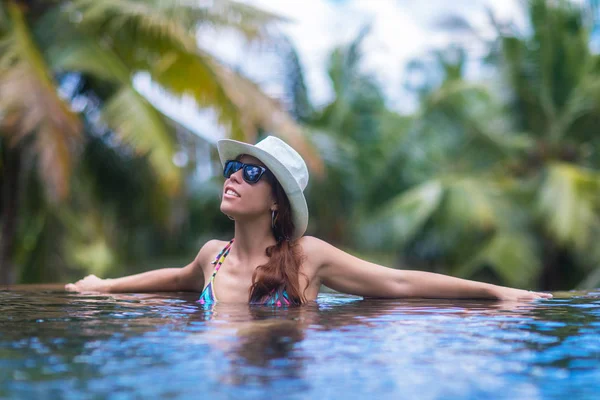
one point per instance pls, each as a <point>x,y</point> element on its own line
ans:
<point>104,45</point>
<point>507,185</point>
<point>349,133</point>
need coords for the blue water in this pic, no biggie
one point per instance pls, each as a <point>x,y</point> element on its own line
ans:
<point>56,345</point>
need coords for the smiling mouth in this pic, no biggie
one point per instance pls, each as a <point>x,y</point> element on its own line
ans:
<point>231,193</point>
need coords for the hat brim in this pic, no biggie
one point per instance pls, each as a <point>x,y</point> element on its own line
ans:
<point>229,149</point>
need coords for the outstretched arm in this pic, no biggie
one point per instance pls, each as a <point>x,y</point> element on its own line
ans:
<point>158,280</point>
<point>346,273</point>
<point>188,278</point>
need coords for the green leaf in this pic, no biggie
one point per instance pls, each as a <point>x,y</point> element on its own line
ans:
<point>85,55</point>
<point>402,217</point>
<point>470,204</point>
<point>140,125</point>
<point>511,255</point>
<point>568,204</point>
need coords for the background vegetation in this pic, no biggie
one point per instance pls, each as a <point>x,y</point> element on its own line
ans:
<point>495,180</point>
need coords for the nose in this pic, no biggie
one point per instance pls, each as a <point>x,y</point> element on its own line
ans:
<point>236,176</point>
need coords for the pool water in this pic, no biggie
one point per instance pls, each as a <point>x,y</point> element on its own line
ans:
<point>57,345</point>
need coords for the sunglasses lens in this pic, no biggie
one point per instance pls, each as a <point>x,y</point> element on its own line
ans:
<point>231,167</point>
<point>252,173</point>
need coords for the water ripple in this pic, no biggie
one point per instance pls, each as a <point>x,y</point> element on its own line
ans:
<point>63,345</point>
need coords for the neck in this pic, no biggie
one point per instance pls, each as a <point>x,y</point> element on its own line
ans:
<point>252,237</point>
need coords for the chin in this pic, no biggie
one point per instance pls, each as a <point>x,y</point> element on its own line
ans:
<point>237,212</point>
<point>227,209</point>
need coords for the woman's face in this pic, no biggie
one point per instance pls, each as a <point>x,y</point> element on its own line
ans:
<point>252,199</point>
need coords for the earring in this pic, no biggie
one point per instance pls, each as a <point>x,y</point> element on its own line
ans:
<point>273,219</point>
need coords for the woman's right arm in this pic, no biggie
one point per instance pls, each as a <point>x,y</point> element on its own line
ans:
<point>189,278</point>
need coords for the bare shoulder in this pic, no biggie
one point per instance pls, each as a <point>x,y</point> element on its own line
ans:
<point>312,249</point>
<point>191,277</point>
<point>209,251</point>
<point>311,243</point>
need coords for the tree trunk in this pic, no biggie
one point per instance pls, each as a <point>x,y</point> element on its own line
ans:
<point>559,272</point>
<point>9,191</point>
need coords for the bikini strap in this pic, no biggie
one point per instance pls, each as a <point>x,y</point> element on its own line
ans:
<point>220,258</point>
<point>226,248</point>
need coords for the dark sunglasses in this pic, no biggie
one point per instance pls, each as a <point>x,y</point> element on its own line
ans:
<point>251,173</point>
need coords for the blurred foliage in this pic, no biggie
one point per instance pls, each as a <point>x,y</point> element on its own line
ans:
<point>505,174</point>
<point>497,180</point>
<point>88,177</point>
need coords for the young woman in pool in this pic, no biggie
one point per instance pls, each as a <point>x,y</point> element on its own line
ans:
<point>269,261</point>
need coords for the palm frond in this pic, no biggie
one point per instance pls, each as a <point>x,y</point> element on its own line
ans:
<point>399,220</point>
<point>144,17</point>
<point>548,65</point>
<point>470,204</point>
<point>175,21</point>
<point>297,91</point>
<point>30,106</point>
<point>344,64</point>
<point>260,111</point>
<point>81,53</point>
<point>245,19</point>
<point>241,106</point>
<point>139,124</point>
<point>250,21</point>
<point>583,101</point>
<point>148,40</point>
<point>188,74</point>
<point>338,184</point>
<point>481,116</point>
<point>568,204</point>
<point>128,113</point>
<point>512,255</point>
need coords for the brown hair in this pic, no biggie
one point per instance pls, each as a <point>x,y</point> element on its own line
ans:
<point>282,270</point>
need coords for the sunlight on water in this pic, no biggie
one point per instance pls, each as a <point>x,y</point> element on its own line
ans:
<point>61,345</point>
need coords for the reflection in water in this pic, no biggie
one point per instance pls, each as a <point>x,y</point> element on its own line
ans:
<point>53,343</point>
<point>268,345</point>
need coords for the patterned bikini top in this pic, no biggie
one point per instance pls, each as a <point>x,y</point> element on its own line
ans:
<point>208,296</point>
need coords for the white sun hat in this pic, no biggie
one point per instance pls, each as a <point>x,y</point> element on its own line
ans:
<point>285,163</point>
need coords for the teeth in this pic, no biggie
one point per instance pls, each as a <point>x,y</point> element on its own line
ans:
<point>231,192</point>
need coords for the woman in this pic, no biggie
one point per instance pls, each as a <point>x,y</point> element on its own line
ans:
<point>269,261</point>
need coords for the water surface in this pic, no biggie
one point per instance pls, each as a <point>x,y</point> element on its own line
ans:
<point>62,345</point>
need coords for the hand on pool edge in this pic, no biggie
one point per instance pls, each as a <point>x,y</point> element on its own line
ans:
<point>90,283</point>
<point>511,294</point>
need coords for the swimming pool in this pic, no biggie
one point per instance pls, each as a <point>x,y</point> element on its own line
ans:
<point>60,345</point>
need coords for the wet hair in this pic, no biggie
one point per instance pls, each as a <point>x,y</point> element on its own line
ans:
<point>282,270</point>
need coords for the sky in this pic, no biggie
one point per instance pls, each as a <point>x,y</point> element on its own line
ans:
<point>401,30</point>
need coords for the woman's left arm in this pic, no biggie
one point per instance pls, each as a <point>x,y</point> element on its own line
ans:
<point>345,273</point>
